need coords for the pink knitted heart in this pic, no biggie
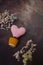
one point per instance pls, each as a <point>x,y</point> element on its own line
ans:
<point>17,32</point>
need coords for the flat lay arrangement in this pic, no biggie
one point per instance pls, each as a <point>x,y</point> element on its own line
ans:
<point>21,32</point>
<point>7,23</point>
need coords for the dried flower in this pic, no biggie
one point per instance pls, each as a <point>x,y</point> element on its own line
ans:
<point>26,55</point>
<point>7,19</point>
<point>17,55</point>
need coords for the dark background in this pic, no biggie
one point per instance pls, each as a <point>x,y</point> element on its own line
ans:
<point>30,15</point>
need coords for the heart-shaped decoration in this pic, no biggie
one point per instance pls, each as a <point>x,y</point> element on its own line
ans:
<point>17,32</point>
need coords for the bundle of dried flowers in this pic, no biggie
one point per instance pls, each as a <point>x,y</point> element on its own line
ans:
<point>26,54</point>
<point>7,19</point>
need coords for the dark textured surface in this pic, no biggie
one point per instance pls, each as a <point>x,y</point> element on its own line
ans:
<point>30,15</point>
